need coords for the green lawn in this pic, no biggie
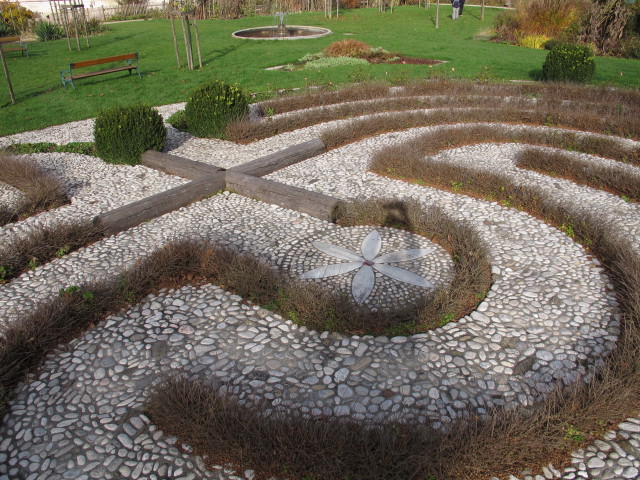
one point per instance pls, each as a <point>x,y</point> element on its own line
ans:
<point>42,101</point>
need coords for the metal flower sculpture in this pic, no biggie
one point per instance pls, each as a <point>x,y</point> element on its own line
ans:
<point>366,262</point>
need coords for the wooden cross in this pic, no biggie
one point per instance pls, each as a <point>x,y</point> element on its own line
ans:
<point>207,180</point>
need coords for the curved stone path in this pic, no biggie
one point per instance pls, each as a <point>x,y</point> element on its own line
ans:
<point>548,315</point>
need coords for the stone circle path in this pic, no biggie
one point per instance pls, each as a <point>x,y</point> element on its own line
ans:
<point>549,313</point>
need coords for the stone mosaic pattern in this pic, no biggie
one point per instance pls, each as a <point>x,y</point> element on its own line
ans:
<point>434,265</point>
<point>548,313</point>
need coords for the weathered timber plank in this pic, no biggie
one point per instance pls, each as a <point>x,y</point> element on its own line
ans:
<point>151,207</point>
<point>174,165</point>
<point>278,160</point>
<point>312,203</point>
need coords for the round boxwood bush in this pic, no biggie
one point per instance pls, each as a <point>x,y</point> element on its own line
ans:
<point>212,106</point>
<point>567,62</point>
<point>122,134</point>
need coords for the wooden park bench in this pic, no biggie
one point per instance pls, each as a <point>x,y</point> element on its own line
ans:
<point>16,45</point>
<point>131,59</point>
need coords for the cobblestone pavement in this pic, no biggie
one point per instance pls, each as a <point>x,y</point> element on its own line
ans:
<point>549,316</point>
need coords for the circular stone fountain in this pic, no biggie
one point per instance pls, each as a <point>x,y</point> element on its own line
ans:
<point>281,31</point>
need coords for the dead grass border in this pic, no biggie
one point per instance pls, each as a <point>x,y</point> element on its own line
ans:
<point>365,127</point>
<point>25,341</point>
<point>507,441</point>
<point>565,165</point>
<point>614,393</point>
<point>45,244</point>
<point>41,190</point>
<point>449,110</point>
<point>623,99</point>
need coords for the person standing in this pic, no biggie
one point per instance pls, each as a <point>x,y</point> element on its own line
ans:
<point>456,9</point>
<point>461,7</point>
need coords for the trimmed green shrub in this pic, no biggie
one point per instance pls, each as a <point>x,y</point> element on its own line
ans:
<point>552,43</point>
<point>179,121</point>
<point>212,106</point>
<point>46,31</point>
<point>122,134</point>
<point>568,62</point>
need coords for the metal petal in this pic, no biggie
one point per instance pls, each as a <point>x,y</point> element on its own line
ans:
<point>331,270</point>
<point>403,255</point>
<point>371,245</point>
<point>362,284</point>
<point>337,252</point>
<point>403,275</point>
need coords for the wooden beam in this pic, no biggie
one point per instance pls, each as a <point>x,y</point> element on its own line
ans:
<point>278,160</point>
<point>209,179</point>
<point>148,208</point>
<point>315,204</point>
<point>174,165</point>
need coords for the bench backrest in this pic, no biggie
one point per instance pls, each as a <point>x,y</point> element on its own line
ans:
<point>15,39</point>
<point>98,61</point>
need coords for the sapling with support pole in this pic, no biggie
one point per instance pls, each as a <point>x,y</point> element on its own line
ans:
<point>6,74</point>
<point>186,35</point>
<point>62,10</point>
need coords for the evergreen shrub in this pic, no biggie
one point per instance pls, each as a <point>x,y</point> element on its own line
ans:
<point>179,121</point>
<point>551,44</point>
<point>568,62</point>
<point>212,106</point>
<point>122,134</point>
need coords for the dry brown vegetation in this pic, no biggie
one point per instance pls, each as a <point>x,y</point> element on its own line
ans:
<point>41,191</point>
<point>449,110</point>
<point>282,445</point>
<point>588,409</point>
<point>560,164</point>
<point>24,342</point>
<point>506,442</point>
<point>597,109</point>
<point>624,100</point>
<point>445,137</point>
<point>44,245</point>
<point>289,103</point>
<point>366,127</point>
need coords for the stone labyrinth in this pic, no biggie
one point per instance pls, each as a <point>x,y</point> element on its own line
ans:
<point>549,315</point>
